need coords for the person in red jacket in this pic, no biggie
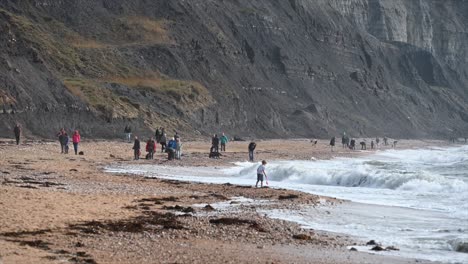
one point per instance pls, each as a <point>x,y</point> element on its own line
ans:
<point>76,141</point>
<point>150,148</point>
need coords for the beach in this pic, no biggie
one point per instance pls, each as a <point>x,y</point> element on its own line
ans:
<point>67,208</point>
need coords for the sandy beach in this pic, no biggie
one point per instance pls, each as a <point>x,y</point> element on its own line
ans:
<point>59,208</point>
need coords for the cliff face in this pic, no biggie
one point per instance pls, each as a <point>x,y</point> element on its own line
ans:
<point>250,68</point>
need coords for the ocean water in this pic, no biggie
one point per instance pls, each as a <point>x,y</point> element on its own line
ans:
<point>416,200</point>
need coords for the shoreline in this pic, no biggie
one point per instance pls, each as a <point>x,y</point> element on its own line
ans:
<point>60,207</point>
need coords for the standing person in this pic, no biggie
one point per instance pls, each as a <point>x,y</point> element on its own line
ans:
<point>385,141</point>
<point>260,173</point>
<point>372,144</point>
<point>150,148</point>
<point>352,144</point>
<point>128,133</point>
<point>176,136</point>
<point>377,141</point>
<point>252,147</point>
<point>332,143</point>
<point>171,149</point>
<point>224,140</point>
<point>136,149</point>
<point>178,148</point>
<point>76,140</point>
<point>343,140</point>
<point>17,131</point>
<point>215,142</point>
<point>65,142</point>
<point>61,138</point>
<point>157,135</point>
<point>162,141</point>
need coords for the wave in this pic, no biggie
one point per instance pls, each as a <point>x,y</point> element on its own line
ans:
<point>459,245</point>
<point>358,173</point>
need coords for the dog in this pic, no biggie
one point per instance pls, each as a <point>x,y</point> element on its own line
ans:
<point>214,154</point>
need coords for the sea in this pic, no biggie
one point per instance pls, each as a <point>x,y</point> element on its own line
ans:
<point>415,200</point>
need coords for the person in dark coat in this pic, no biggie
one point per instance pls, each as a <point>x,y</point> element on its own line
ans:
<point>332,143</point>
<point>157,135</point>
<point>17,131</point>
<point>215,142</point>
<point>150,148</point>
<point>136,149</point>
<point>252,147</point>
<point>162,141</point>
<point>61,137</point>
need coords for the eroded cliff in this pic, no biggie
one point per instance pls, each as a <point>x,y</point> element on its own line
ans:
<point>251,68</point>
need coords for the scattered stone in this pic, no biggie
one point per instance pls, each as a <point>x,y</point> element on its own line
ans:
<point>353,249</point>
<point>112,156</point>
<point>208,207</point>
<point>79,244</point>
<point>302,237</point>
<point>81,153</point>
<point>371,243</point>
<point>377,248</point>
<point>74,170</point>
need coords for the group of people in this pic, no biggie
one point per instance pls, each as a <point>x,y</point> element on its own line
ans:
<point>173,147</point>
<point>215,143</point>
<point>351,143</point>
<point>64,140</point>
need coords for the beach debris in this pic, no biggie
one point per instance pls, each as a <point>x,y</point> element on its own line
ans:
<point>302,237</point>
<point>180,208</point>
<point>377,248</point>
<point>289,196</point>
<point>232,221</point>
<point>392,248</point>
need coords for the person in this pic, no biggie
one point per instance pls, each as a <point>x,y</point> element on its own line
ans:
<point>171,149</point>
<point>13,109</point>
<point>65,142</point>
<point>332,143</point>
<point>372,144</point>
<point>76,140</point>
<point>61,138</point>
<point>150,148</point>
<point>260,173</point>
<point>176,136</point>
<point>128,133</point>
<point>157,135</point>
<point>17,131</point>
<point>162,141</point>
<point>363,145</point>
<point>252,147</point>
<point>352,145</point>
<point>178,148</point>
<point>343,140</point>
<point>136,149</point>
<point>215,142</point>
<point>377,141</point>
<point>394,143</point>
<point>223,140</point>
<point>385,141</point>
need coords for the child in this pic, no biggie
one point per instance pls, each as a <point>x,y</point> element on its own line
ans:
<point>260,173</point>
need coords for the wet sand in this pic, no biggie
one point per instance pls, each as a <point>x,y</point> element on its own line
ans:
<point>59,208</point>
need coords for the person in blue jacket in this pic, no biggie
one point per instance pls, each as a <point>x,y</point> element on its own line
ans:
<point>171,148</point>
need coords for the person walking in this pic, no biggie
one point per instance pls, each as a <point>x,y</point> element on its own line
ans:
<point>61,138</point>
<point>17,131</point>
<point>128,133</point>
<point>162,141</point>
<point>136,149</point>
<point>224,140</point>
<point>66,140</point>
<point>178,148</point>
<point>332,143</point>
<point>260,173</point>
<point>76,140</point>
<point>215,142</point>
<point>252,147</point>
<point>157,135</point>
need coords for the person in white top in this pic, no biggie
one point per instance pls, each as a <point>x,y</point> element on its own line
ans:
<point>260,173</point>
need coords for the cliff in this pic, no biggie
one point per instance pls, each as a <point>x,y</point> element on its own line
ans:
<point>250,68</point>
